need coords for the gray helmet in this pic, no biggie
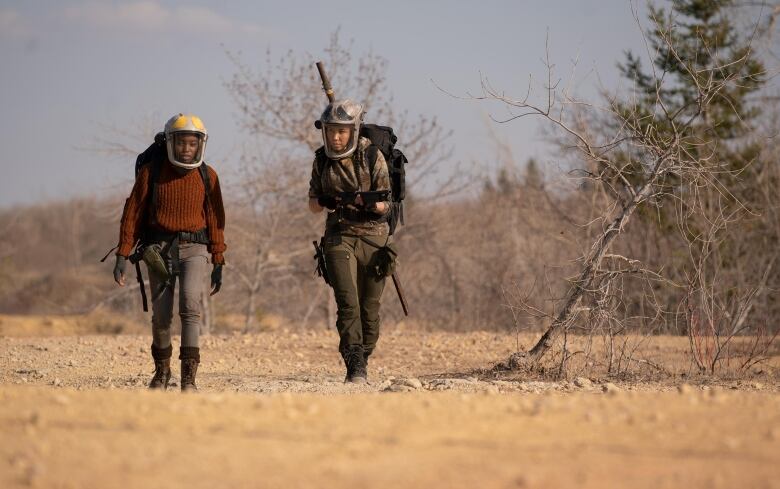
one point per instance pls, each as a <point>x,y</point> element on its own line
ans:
<point>341,113</point>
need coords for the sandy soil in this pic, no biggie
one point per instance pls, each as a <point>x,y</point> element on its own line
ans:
<point>273,412</point>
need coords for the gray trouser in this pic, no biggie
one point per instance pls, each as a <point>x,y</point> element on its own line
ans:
<point>193,263</point>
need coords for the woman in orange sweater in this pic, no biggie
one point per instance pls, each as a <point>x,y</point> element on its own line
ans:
<point>171,210</point>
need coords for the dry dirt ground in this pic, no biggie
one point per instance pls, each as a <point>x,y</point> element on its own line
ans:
<point>273,412</point>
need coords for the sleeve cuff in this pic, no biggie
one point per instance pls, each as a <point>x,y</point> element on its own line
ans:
<point>124,250</point>
<point>218,258</point>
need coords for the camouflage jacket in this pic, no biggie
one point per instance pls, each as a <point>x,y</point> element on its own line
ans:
<point>340,176</point>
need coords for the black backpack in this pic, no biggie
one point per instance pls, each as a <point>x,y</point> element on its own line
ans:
<point>156,154</point>
<point>383,139</point>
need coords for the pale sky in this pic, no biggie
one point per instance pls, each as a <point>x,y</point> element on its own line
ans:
<point>71,68</point>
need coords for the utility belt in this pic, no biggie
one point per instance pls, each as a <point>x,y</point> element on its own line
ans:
<point>200,236</point>
<point>160,251</point>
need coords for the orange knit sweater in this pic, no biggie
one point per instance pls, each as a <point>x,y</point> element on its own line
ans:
<point>180,199</point>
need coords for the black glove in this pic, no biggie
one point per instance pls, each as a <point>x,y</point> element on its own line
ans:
<point>216,278</point>
<point>119,269</point>
<point>327,201</point>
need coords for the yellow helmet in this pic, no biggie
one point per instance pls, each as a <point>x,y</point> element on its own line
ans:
<point>181,124</point>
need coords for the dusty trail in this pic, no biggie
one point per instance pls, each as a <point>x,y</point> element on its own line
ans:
<point>69,439</point>
<point>273,412</point>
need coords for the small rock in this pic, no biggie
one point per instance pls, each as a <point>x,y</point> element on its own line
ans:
<point>583,383</point>
<point>410,382</point>
<point>757,385</point>
<point>610,388</point>
<point>57,382</point>
<point>398,388</point>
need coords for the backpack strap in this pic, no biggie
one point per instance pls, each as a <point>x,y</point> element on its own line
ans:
<point>154,177</point>
<point>140,278</point>
<point>322,159</point>
<point>204,174</point>
<point>372,152</point>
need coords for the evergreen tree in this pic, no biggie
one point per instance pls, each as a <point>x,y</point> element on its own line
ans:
<point>533,176</point>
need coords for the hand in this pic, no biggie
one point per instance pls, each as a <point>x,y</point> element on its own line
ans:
<point>380,207</point>
<point>119,270</point>
<point>327,202</point>
<point>216,278</point>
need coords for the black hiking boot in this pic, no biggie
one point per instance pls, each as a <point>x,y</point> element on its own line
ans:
<point>356,365</point>
<point>162,367</point>
<point>366,353</point>
<point>190,358</point>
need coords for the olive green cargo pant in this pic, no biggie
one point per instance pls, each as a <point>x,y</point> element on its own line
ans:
<point>358,289</point>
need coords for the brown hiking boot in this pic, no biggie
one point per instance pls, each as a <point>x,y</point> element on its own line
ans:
<point>190,358</point>
<point>162,367</point>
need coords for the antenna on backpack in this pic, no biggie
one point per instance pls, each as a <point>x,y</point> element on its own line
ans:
<point>326,82</point>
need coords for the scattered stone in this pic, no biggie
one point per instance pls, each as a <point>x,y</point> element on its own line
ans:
<point>451,384</point>
<point>410,382</point>
<point>398,388</point>
<point>610,388</point>
<point>583,383</point>
<point>756,385</point>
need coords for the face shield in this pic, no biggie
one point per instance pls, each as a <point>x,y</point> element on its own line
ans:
<point>185,139</point>
<point>339,139</point>
<point>188,148</point>
<point>340,125</point>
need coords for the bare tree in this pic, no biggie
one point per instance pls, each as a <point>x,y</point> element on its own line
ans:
<point>638,158</point>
